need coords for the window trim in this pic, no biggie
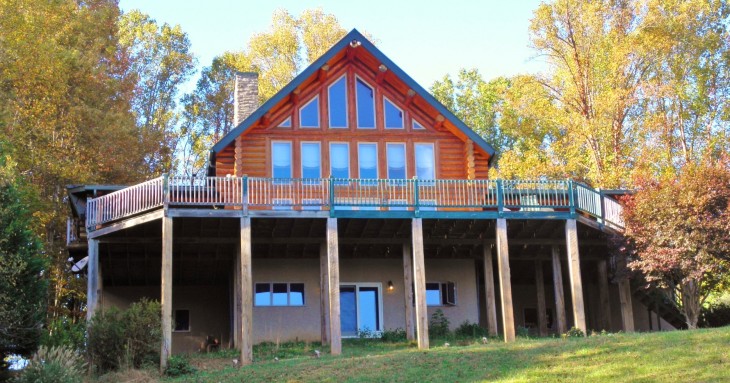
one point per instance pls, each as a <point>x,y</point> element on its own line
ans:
<point>291,161</point>
<point>357,106</point>
<point>377,162</point>
<point>405,159</point>
<point>288,294</point>
<point>402,118</point>
<point>329,104</point>
<point>174,315</point>
<point>319,118</point>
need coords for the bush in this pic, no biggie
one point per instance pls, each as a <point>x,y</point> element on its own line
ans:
<point>64,332</point>
<point>129,338</point>
<point>716,315</point>
<point>54,365</point>
<point>470,330</point>
<point>178,365</point>
<point>438,326</point>
<point>523,332</point>
<point>574,332</point>
<point>395,335</point>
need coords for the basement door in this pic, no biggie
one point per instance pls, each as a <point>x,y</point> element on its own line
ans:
<point>361,309</point>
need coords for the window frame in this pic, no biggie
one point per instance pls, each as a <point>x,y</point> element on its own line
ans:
<point>385,115</point>
<point>319,118</point>
<point>414,122</point>
<point>357,105</point>
<point>329,104</point>
<point>286,120</point>
<point>291,162</point>
<point>288,294</point>
<point>377,333</point>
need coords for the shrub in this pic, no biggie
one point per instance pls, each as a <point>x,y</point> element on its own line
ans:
<point>574,332</point>
<point>438,326</point>
<point>470,330</point>
<point>395,335</point>
<point>716,315</point>
<point>106,340</point>
<point>178,365</point>
<point>54,365</point>
<point>523,332</point>
<point>64,332</point>
<point>143,332</point>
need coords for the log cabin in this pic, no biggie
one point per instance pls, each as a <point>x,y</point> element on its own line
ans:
<point>351,203</point>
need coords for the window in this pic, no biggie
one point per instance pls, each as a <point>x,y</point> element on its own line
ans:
<point>425,167</point>
<point>338,103</point>
<point>417,126</point>
<point>365,105</point>
<point>281,159</point>
<point>279,294</point>
<point>311,160</point>
<point>181,318</point>
<point>340,160</point>
<point>396,161</point>
<point>286,123</point>
<point>393,115</point>
<point>368,160</point>
<point>309,114</point>
<point>440,294</point>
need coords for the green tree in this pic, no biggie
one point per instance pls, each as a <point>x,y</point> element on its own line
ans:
<point>678,230</point>
<point>22,287</point>
<point>160,62</point>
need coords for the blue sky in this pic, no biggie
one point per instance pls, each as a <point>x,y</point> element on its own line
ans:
<point>427,39</point>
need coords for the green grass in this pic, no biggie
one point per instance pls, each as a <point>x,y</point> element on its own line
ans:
<point>680,356</point>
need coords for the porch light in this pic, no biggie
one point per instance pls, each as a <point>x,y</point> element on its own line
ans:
<point>390,286</point>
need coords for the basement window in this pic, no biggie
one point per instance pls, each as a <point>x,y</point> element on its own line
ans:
<point>181,319</point>
<point>440,294</point>
<point>279,294</point>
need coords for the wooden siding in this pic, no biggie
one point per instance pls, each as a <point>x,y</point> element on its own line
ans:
<point>455,156</point>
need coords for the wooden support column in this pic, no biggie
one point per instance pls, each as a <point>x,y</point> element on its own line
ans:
<point>408,290</point>
<point>505,286</point>
<point>559,294</point>
<point>237,302</point>
<point>93,281</point>
<point>627,310</point>
<point>541,307</point>
<point>419,279</point>
<point>246,293</point>
<point>576,283</point>
<point>489,291</point>
<point>333,274</point>
<point>166,292</point>
<point>604,303</point>
<point>324,289</point>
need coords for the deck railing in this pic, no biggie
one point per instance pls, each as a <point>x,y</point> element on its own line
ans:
<point>524,197</point>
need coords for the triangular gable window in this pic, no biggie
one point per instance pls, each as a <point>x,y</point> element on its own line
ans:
<point>417,126</point>
<point>285,124</point>
<point>309,114</point>
<point>393,115</point>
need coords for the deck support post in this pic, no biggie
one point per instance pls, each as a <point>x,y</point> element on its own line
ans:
<point>491,303</point>
<point>166,292</point>
<point>419,281</point>
<point>627,308</point>
<point>93,282</point>
<point>542,327</point>
<point>333,275</point>
<point>604,303</point>
<point>237,304</point>
<point>246,289</point>
<point>408,290</point>
<point>561,321</point>
<point>576,283</point>
<point>324,289</point>
<point>505,286</point>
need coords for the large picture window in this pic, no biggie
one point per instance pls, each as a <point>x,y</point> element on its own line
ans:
<point>337,97</point>
<point>396,154</point>
<point>365,105</point>
<point>309,114</point>
<point>340,160</point>
<point>425,163</point>
<point>311,160</point>
<point>281,159</point>
<point>279,294</point>
<point>367,157</point>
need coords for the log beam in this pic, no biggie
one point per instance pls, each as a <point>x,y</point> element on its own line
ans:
<point>627,308</point>
<point>93,282</point>
<point>324,289</point>
<point>604,303</point>
<point>246,289</point>
<point>561,321</point>
<point>419,279</point>
<point>576,283</point>
<point>408,290</point>
<point>541,306</point>
<point>333,274</point>
<point>166,292</point>
<point>505,286</point>
<point>489,291</point>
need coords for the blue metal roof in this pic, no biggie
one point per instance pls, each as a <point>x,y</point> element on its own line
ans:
<point>312,69</point>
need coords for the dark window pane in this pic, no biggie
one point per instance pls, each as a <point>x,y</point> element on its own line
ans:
<point>262,296</point>
<point>450,293</point>
<point>393,116</point>
<point>365,106</point>
<point>182,320</point>
<point>338,104</point>
<point>309,114</point>
<point>296,294</point>
<point>433,294</point>
<point>278,298</point>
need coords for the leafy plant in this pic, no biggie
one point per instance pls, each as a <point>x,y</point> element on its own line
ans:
<point>470,330</point>
<point>54,365</point>
<point>394,335</point>
<point>64,332</point>
<point>574,332</point>
<point>142,329</point>
<point>179,365</point>
<point>438,325</point>
<point>523,332</point>
<point>106,340</point>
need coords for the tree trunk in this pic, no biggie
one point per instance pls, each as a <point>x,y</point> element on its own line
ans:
<point>690,291</point>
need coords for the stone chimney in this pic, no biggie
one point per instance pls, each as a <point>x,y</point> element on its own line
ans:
<point>245,96</point>
<point>245,101</point>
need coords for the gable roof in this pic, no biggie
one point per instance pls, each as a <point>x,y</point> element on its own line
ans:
<point>315,66</point>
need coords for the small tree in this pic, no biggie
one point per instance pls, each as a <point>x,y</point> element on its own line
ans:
<point>679,234</point>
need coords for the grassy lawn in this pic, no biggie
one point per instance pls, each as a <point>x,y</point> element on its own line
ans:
<point>680,356</point>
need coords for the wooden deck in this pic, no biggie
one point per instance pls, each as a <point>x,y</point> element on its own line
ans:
<point>357,198</point>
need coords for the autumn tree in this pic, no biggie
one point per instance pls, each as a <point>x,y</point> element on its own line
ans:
<point>678,230</point>
<point>277,55</point>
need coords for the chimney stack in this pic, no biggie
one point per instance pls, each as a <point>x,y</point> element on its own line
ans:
<point>245,96</point>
